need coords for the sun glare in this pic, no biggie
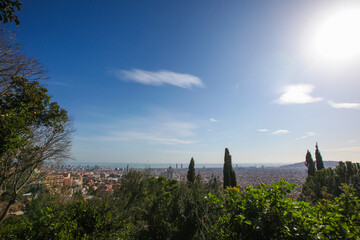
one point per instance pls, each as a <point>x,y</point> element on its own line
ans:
<point>336,36</point>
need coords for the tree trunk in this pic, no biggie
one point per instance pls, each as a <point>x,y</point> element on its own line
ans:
<point>6,210</point>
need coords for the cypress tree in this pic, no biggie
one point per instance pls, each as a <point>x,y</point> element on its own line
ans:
<point>309,163</point>
<point>226,169</point>
<point>318,158</point>
<point>229,173</point>
<point>233,177</point>
<point>191,171</point>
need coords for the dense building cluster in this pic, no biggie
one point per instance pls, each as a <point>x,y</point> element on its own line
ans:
<point>86,180</point>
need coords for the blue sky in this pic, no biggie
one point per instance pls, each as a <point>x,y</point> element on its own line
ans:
<point>164,81</point>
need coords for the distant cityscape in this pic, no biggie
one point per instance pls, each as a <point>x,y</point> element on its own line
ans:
<point>166,165</point>
<point>69,179</point>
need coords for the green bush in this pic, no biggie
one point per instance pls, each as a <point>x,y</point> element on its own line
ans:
<point>158,208</point>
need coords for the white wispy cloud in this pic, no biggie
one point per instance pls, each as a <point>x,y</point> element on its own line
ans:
<point>184,152</point>
<point>144,136</point>
<point>344,105</point>
<point>298,94</point>
<point>176,128</point>
<point>280,131</point>
<point>213,120</point>
<point>58,83</point>
<point>344,149</point>
<point>308,134</point>
<point>263,130</point>
<point>149,130</point>
<point>159,78</point>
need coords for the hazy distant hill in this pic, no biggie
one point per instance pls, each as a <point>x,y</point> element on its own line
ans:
<point>327,164</point>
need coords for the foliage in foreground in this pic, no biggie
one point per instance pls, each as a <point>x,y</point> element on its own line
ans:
<point>271,212</point>
<point>7,11</point>
<point>326,183</point>
<point>144,208</point>
<point>157,208</point>
<point>78,219</point>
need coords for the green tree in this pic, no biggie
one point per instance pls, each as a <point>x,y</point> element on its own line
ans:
<point>318,158</point>
<point>75,218</point>
<point>233,177</point>
<point>272,212</point>
<point>194,214</point>
<point>159,208</point>
<point>323,185</point>
<point>228,171</point>
<point>309,163</point>
<point>34,131</point>
<point>326,183</point>
<point>7,11</point>
<point>191,171</point>
<point>349,173</point>
<point>263,212</point>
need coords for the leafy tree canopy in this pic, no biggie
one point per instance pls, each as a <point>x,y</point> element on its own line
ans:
<point>326,183</point>
<point>33,130</point>
<point>7,11</point>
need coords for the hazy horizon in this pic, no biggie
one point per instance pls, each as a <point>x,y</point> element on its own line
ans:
<point>166,165</point>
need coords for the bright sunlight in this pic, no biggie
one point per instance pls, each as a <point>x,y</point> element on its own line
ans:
<point>336,36</point>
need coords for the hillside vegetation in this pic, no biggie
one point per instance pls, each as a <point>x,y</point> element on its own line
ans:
<point>158,208</point>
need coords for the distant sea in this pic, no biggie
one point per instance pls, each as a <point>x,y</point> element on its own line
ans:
<point>165,165</point>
